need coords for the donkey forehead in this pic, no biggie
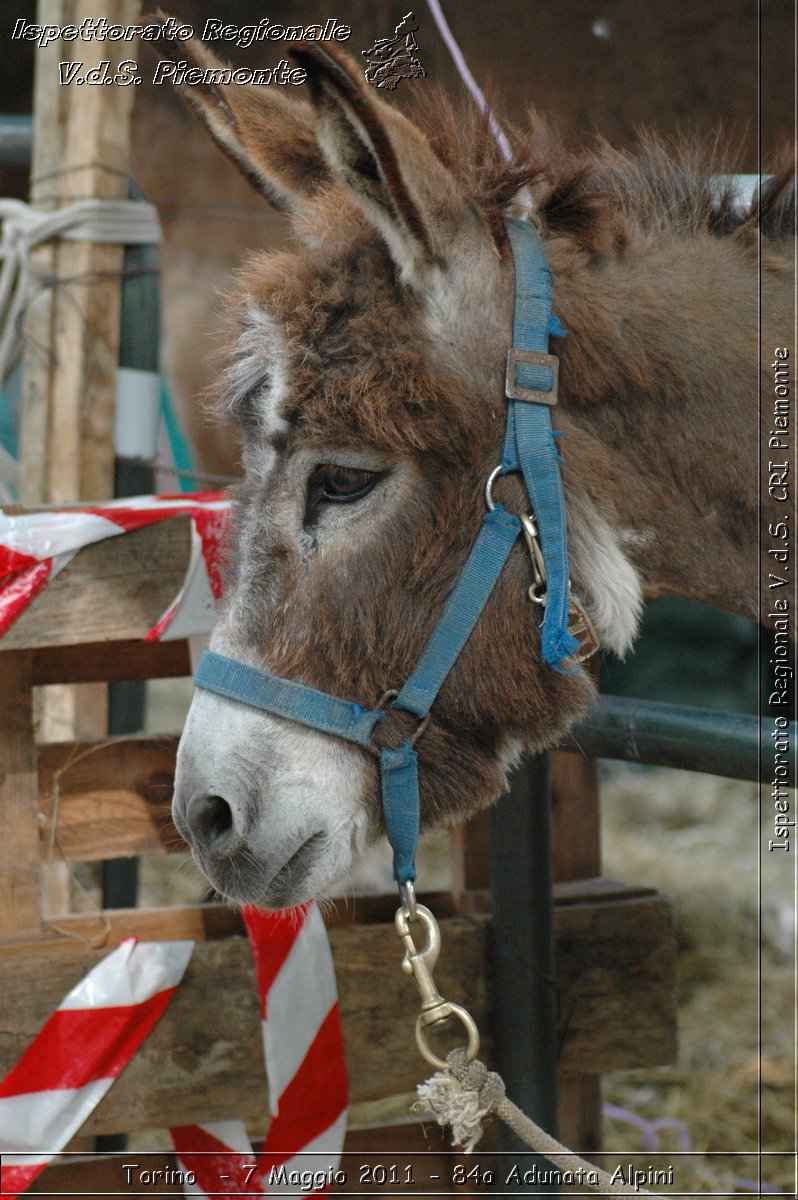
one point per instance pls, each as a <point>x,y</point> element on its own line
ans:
<point>345,353</point>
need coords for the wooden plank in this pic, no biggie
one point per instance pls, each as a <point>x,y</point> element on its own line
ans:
<point>70,935</point>
<point>64,711</point>
<point>576,861</point>
<point>581,891</point>
<point>110,799</point>
<point>202,922</point>
<point>576,831</point>
<point>111,661</point>
<point>580,1112</point>
<point>210,922</point>
<point>112,591</point>
<point>616,984</point>
<point>576,826</point>
<point>616,1001</point>
<point>20,875</point>
<point>471,854</point>
<point>49,106</point>
<point>81,353</point>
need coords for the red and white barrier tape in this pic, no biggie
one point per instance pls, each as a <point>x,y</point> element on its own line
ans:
<point>305,1066</point>
<point>46,1098</point>
<point>34,547</point>
<point>81,1050</point>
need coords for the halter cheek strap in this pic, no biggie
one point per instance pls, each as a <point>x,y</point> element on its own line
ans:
<point>529,443</point>
<point>529,446</point>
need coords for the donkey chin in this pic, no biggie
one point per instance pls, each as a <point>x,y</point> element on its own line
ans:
<point>273,813</point>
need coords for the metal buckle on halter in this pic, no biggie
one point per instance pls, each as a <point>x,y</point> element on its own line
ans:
<point>581,627</point>
<point>535,358</point>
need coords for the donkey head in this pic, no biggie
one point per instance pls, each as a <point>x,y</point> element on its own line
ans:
<point>366,378</point>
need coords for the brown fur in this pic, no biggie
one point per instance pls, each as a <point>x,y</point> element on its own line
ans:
<point>656,284</point>
<point>656,188</point>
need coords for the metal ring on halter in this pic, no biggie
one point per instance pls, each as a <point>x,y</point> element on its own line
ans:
<point>494,475</point>
<point>384,700</point>
<point>452,1010</point>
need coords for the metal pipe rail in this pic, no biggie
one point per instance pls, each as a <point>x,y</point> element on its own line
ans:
<point>670,735</point>
<point>16,137</point>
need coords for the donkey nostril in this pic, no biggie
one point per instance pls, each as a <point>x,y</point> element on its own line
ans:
<point>219,820</point>
<point>211,820</point>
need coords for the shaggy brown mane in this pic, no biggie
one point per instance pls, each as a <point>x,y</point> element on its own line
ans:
<point>657,186</point>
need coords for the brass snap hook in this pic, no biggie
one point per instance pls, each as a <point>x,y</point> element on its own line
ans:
<point>420,964</point>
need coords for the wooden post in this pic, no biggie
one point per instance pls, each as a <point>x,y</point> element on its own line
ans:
<point>81,149</point>
<point>66,439</point>
<point>576,824</point>
<point>20,898</point>
<point>48,106</point>
<point>576,852</point>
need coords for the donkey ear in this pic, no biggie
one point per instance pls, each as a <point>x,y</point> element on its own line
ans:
<point>271,139</point>
<point>416,206</point>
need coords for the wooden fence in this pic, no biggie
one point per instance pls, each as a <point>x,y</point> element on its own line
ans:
<point>614,944</point>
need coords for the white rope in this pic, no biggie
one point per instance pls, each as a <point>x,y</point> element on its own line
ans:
<point>22,228</point>
<point>466,1093</point>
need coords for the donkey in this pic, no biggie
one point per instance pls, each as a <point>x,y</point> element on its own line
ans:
<point>366,377</point>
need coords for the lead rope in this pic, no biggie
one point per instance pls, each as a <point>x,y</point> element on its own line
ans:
<point>463,1093</point>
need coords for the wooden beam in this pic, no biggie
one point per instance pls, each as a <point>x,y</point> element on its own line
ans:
<point>616,984</point>
<point>576,818</point>
<point>110,799</point>
<point>49,110</point>
<point>82,140</point>
<point>69,936</point>
<point>81,150</point>
<point>20,874</point>
<point>470,854</point>
<point>110,661</point>
<point>576,856</point>
<point>202,1062</point>
<point>112,591</point>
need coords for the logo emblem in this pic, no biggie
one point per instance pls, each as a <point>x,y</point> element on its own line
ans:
<point>393,59</point>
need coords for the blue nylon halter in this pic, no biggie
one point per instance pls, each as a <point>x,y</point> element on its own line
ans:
<point>529,447</point>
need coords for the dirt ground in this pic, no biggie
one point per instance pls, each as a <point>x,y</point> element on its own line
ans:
<point>695,838</point>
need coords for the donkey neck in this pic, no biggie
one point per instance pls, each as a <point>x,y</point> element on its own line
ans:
<point>659,379</point>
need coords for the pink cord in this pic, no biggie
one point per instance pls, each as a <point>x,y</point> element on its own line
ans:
<point>467,78</point>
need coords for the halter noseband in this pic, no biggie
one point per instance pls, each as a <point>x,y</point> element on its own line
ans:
<point>529,447</point>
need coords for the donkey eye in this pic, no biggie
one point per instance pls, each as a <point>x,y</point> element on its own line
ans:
<point>340,484</point>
